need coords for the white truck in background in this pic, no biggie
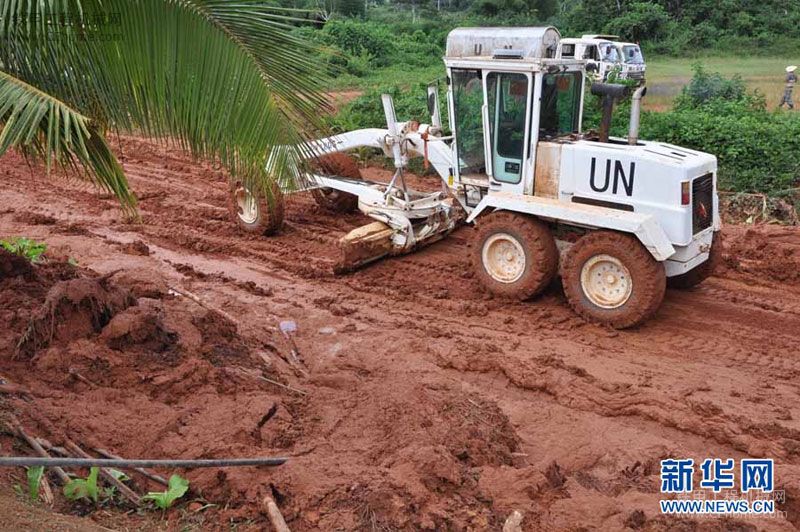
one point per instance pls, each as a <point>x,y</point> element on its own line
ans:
<point>604,55</point>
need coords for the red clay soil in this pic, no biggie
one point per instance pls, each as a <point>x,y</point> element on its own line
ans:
<point>428,403</point>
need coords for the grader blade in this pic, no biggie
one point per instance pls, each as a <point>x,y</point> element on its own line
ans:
<point>363,245</point>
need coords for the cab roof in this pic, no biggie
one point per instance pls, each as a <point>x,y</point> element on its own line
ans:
<point>487,43</point>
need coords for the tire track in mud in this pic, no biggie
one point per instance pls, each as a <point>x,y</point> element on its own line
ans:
<point>572,387</point>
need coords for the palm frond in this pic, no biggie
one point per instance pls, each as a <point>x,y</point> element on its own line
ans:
<point>38,124</point>
<point>226,79</point>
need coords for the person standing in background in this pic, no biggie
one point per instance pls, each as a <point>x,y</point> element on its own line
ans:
<point>791,79</point>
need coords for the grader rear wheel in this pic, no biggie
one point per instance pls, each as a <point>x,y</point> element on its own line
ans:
<point>611,278</point>
<point>342,165</point>
<point>256,214</point>
<point>514,255</point>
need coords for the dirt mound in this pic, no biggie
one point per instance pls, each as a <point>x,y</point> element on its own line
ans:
<point>13,265</point>
<point>141,327</point>
<point>73,309</point>
<point>141,282</point>
<point>768,252</point>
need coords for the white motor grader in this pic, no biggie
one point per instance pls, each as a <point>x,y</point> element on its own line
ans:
<point>616,217</point>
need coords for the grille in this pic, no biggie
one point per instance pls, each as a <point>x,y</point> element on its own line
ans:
<point>702,203</point>
<point>636,75</point>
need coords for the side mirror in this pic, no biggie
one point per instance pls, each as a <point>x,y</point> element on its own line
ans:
<point>591,67</point>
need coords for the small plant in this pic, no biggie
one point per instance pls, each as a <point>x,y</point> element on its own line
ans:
<point>35,481</point>
<point>109,492</point>
<point>175,490</point>
<point>25,247</point>
<point>78,488</point>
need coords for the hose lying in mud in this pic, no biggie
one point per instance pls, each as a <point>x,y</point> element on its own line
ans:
<point>31,461</point>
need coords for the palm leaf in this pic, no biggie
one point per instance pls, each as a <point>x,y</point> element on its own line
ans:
<point>227,80</point>
<point>40,125</point>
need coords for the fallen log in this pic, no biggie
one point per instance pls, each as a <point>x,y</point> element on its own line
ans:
<point>38,449</point>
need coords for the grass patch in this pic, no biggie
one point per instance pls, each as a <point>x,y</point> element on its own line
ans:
<point>666,76</point>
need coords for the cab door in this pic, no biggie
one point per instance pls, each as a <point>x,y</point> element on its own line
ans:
<point>508,102</point>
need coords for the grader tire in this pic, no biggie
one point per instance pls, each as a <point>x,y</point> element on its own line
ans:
<point>261,215</point>
<point>702,272</point>
<point>337,164</point>
<point>612,279</point>
<point>514,255</point>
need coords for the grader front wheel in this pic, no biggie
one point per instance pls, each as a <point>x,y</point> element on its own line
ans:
<point>256,213</point>
<point>611,278</point>
<point>514,255</point>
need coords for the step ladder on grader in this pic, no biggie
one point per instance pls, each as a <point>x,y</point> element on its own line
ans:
<point>617,218</point>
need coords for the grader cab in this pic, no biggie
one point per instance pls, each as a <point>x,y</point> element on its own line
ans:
<point>616,217</point>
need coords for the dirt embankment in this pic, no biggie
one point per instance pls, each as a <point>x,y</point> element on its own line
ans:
<point>428,404</point>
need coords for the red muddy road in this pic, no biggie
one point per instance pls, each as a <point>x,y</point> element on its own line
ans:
<point>429,404</point>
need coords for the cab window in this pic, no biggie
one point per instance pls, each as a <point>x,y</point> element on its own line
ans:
<point>507,95</point>
<point>590,52</point>
<point>467,104</point>
<point>560,108</point>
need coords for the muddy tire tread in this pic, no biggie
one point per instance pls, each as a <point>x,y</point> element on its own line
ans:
<point>270,214</point>
<point>540,250</point>
<point>648,275</point>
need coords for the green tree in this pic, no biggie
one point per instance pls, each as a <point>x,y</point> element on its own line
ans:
<point>642,20</point>
<point>227,80</point>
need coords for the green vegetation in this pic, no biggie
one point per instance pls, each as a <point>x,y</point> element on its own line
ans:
<point>227,80</point>
<point>34,475</point>
<point>78,488</point>
<point>25,247</point>
<point>177,488</point>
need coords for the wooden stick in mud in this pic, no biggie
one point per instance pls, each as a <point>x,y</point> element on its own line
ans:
<point>245,371</point>
<point>196,299</point>
<point>111,479</point>
<point>274,514</point>
<point>52,448</point>
<point>15,425</point>
<point>13,389</point>
<point>152,476</point>
<point>74,373</point>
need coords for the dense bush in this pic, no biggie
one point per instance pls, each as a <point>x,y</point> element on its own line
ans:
<point>357,47</point>
<point>410,103</point>
<point>706,87</point>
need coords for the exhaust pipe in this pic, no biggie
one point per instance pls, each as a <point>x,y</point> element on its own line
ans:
<point>610,92</point>
<point>636,111</point>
